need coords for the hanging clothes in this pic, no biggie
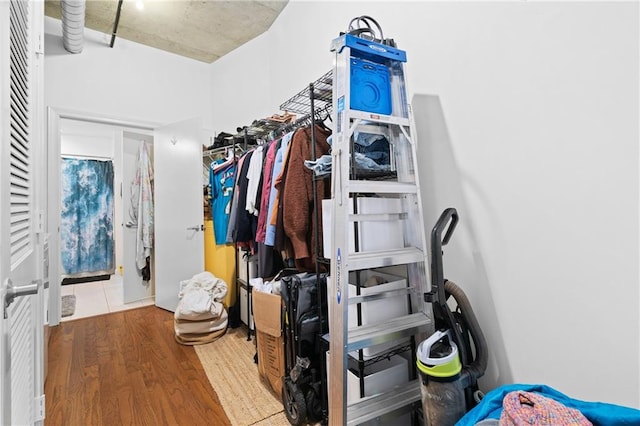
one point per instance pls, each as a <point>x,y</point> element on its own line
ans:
<point>142,211</point>
<point>270,232</point>
<point>299,215</point>
<point>254,174</point>
<point>273,207</point>
<point>266,191</point>
<point>281,241</point>
<point>222,180</point>
<point>269,260</point>
<point>233,216</point>
<point>244,223</point>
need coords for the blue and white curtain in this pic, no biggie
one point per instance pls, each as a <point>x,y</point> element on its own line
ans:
<point>86,231</point>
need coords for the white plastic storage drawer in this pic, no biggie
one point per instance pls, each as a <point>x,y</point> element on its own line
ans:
<point>244,312</point>
<point>373,235</point>
<point>378,378</point>
<point>377,311</point>
<point>247,266</point>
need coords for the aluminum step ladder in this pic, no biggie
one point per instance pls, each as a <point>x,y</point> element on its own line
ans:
<point>369,96</point>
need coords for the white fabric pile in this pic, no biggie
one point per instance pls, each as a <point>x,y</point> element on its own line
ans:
<point>200,316</point>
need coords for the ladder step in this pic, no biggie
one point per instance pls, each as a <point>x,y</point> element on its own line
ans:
<point>377,217</point>
<point>377,259</point>
<point>374,129</point>
<point>378,118</point>
<point>382,187</point>
<point>381,295</point>
<point>393,329</point>
<point>378,405</point>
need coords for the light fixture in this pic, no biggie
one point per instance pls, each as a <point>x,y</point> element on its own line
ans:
<point>140,4</point>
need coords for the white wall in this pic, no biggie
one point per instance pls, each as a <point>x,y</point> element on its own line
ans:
<point>535,110</point>
<point>240,86</point>
<point>129,81</point>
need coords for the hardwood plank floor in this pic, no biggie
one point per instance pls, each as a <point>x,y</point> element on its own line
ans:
<point>125,368</point>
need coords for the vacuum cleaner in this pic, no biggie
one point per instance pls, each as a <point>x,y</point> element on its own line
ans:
<point>452,360</point>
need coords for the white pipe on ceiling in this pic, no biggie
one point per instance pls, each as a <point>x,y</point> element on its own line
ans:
<point>73,25</point>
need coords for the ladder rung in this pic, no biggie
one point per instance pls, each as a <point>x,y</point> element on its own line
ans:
<point>393,329</point>
<point>381,404</point>
<point>378,118</point>
<point>382,187</point>
<point>377,217</point>
<point>374,129</point>
<point>382,295</point>
<point>377,259</point>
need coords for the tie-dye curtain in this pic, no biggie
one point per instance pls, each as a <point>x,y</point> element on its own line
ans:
<point>86,230</point>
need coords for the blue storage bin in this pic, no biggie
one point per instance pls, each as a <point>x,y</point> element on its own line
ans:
<point>370,87</point>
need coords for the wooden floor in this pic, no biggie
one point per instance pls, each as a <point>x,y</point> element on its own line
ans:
<point>125,368</point>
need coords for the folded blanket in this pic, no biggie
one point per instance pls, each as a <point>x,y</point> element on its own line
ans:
<point>598,413</point>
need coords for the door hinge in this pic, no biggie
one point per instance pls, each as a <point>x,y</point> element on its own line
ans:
<point>39,409</point>
<point>40,222</point>
<point>39,49</point>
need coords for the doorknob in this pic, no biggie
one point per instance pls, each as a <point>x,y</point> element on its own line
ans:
<point>17,291</point>
<point>196,228</point>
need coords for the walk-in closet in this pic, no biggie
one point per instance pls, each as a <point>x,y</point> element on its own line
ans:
<point>319,213</point>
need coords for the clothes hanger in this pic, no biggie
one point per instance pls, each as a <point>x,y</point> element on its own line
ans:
<point>321,121</point>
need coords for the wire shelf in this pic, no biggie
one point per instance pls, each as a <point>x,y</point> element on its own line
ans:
<point>300,103</point>
<point>383,356</point>
<point>259,128</point>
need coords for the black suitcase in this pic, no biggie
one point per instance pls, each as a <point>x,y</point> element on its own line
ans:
<point>305,321</point>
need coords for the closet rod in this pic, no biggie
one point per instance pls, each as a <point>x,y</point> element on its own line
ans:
<point>307,119</point>
<point>86,157</point>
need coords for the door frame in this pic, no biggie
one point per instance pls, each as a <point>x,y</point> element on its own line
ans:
<point>54,115</point>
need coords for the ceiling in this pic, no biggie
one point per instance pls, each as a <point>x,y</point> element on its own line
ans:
<point>201,30</point>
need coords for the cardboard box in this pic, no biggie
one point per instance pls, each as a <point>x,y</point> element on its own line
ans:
<point>267,314</point>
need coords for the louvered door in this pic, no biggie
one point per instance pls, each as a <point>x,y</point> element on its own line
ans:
<point>21,321</point>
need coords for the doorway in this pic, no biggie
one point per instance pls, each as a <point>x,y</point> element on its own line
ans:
<point>124,287</point>
<point>178,214</point>
<point>83,137</point>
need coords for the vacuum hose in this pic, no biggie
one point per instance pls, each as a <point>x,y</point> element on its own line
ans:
<point>475,370</point>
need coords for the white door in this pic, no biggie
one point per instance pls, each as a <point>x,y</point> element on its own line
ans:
<point>134,287</point>
<point>179,217</point>
<point>21,324</point>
